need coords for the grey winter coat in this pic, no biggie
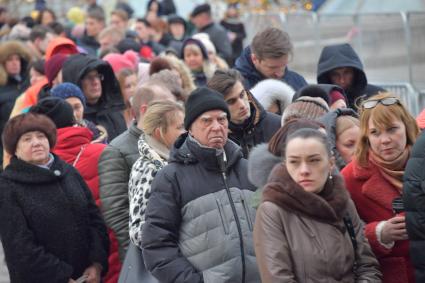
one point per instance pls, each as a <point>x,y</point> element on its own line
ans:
<point>218,36</point>
<point>198,221</point>
<point>114,166</point>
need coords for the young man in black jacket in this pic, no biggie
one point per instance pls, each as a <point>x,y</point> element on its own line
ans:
<point>249,124</point>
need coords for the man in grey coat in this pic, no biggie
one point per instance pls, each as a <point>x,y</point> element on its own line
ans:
<point>202,19</point>
<point>115,165</point>
<point>199,220</point>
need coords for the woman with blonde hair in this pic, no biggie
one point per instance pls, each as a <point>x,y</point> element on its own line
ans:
<point>162,124</point>
<point>375,180</point>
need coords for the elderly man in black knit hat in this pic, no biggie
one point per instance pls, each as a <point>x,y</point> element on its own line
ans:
<point>198,220</point>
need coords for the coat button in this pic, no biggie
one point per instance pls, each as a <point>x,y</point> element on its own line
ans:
<point>57,173</point>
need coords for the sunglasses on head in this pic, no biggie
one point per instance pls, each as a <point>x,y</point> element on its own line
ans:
<point>368,104</point>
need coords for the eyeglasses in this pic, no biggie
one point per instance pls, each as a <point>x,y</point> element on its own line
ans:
<point>369,104</point>
<point>93,77</point>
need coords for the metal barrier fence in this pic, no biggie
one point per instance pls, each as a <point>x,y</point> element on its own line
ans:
<point>390,45</point>
<point>407,94</point>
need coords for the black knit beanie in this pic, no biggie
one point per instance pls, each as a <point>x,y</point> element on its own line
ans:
<point>57,109</point>
<point>201,100</point>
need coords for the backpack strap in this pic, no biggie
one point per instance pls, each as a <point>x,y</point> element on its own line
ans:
<point>350,229</point>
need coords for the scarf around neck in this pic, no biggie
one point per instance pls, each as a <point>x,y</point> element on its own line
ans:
<point>393,170</point>
<point>328,206</point>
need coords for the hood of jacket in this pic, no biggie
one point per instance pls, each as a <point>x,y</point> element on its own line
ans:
<point>328,206</point>
<point>9,48</point>
<point>187,150</point>
<point>244,65</point>
<point>329,120</point>
<point>272,91</point>
<point>59,44</point>
<point>78,65</point>
<point>70,141</point>
<point>23,172</point>
<point>260,163</point>
<point>338,56</point>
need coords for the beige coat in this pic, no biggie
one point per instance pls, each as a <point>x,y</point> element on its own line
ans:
<point>292,247</point>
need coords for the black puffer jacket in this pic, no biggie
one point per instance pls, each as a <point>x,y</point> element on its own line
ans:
<point>50,227</point>
<point>198,220</point>
<point>414,205</point>
<point>258,128</point>
<point>107,111</point>
<point>343,55</point>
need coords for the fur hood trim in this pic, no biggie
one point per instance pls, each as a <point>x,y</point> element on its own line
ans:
<point>328,206</point>
<point>260,163</point>
<point>272,91</point>
<point>13,47</point>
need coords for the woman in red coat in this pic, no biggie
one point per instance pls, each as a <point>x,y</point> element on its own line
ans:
<point>374,179</point>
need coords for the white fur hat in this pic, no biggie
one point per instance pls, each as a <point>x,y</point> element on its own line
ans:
<point>270,91</point>
<point>206,41</point>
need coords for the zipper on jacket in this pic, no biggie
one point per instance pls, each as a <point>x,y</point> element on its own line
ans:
<point>238,224</point>
<point>248,216</point>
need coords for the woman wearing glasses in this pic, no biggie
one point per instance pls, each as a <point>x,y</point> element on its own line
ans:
<point>375,179</point>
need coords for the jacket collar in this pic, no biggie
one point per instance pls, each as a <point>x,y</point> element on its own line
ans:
<point>374,185</point>
<point>188,151</point>
<point>329,206</point>
<point>23,172</point>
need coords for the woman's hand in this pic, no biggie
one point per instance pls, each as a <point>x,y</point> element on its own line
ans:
<point>394,230</point>
<point>71,281</point>
<point>93,273</point>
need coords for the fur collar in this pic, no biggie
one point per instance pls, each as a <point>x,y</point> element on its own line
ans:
<point>329,206</point>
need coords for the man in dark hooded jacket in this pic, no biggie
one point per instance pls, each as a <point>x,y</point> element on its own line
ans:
<point>249,124</point>
<point>101,89</point>
<point>267,58</point>
<point>340,65</point>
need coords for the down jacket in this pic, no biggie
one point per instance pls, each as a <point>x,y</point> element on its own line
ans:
<point>414,199</point>
<point>74,146</point>
<point>50,227</point>
<point>114,166</point>
<point>301,236</point>
<point>198,221</point>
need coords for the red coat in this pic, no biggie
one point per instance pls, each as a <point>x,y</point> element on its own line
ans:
<point>373,196</point>
<point>74,147</point>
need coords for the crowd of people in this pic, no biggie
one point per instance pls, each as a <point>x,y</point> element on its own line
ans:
<point>160,149</point>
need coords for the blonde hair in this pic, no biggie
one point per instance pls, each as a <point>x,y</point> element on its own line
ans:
<point>344,123</point>
<point>383,116</point>
<point>160,114</point>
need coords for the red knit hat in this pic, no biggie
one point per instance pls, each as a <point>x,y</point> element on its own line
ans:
<point>335,95</point>
<point>128,60</point>
<point>53,66</point>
